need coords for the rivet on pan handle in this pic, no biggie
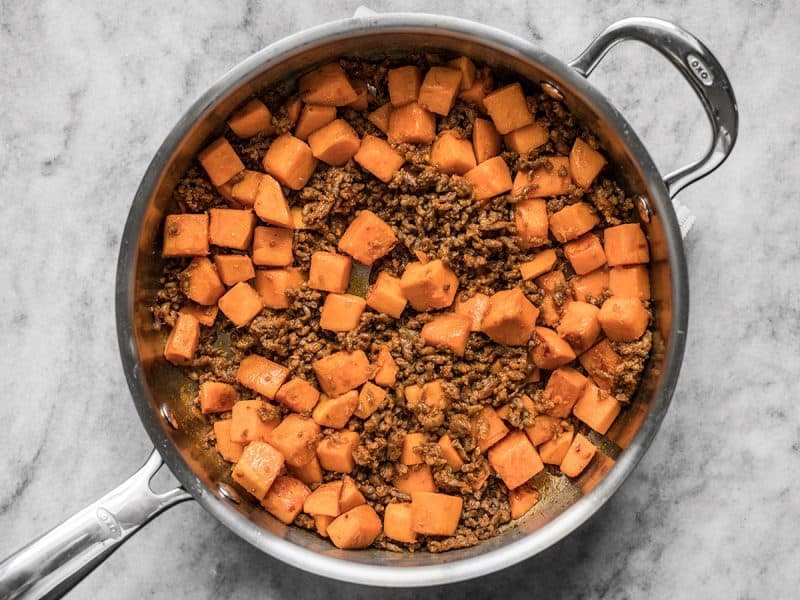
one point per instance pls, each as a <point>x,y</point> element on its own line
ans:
<point>697,65</point>
<point>51,565</point>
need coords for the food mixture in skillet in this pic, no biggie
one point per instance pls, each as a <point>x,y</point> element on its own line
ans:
<point>404,290</point>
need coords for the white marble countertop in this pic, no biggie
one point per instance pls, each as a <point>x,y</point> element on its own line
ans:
<point>90,89</point>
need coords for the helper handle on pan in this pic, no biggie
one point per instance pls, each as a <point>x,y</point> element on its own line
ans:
<point>697,65</point>
<point>51,565</point>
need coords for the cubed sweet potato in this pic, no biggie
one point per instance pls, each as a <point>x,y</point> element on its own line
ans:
<point>216,397</point>
<point>270,203</point>
<point>298,221</point>
<point>351,495</point>
<point>428,403</point>
<point>309,473</point>
<point>540,264</point>
<point>285,498</point>
<point>585,163</point>
<point>597,408</point>
<point>335,451</point>
<point>590,286</point>
<point>474,307</point>
<point>552,179</point>
<point>468,71</point>
<point>551,351</point>
<point>451,153</point>
<point>290,161</point>
<point>623,319</point>
<point>411,124</point>
<point>321,523</point>
<point>397,522</point>
<point>579,455</point>
<point>530,217</point>
<point>298,395</point>
<point>475,94</point>
<point>429,285</point>
<point>313,117</point>
<point>544,429</point>
<point>630,282</point>
<point>386,295</point>
<point>435,514</point>
<point>485,140</point>
<point>370,398</point>
<point>240,304</point>
<point>367,238</point>
<point>602,364</point>
<point>449,331</point>
<point>579,325</point>
<point>250,120</point>
<point>292,109</point>
<point>245,188</point>
<point>450,454</point>
<point>505,411</point>
<point>626,245</point>
<point>327,85</point>
<point>296,438</point>
<point>380,117</point>
<point>573,221</point>
<point>334,143</point>
<point>411,441</point>
<point>553,451</point>
<point>488,428</point>
<point>490,178</point>
<point>585,254</point>
<point>324,500</point>
<point>227,448</point>
<point>342,371</point>
<point>403,83</point>
<point>439,89</point>
<point>563,389</point>
<point>257,469</point>
<point>272,247</point>
<point>418,478</point>
<point>514,459</point>
<point>527,138</point>
<point>252,421</point>
<point>234,268</point>
<point>551,283</point>
<point>357,528</point>
<point>220,161</point>
<point>231,228</point>
<point>330,272</point>
<point>261,375</point>
<point>341,312</point>
<point>521,500</point>
<point>508,108</point>
<point>361,103</point>
<point>335,411</point>
<point>379,158</point>
<point>272,285</point>
<point>185,235</point>
<point>206,315</point>
<point>510,318</point>
<point>385,368</point>
<point>183,340</point>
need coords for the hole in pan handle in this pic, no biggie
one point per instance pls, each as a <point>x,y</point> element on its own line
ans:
<point>697,65</point>
<point>54,563</point>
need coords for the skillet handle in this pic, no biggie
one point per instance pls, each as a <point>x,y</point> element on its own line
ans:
<point>54,563</point>
<point>697,65</point>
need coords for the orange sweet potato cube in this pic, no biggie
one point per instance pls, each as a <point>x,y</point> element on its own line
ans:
<point>429,285</point>
<point>296,214</point>
<point>233,268</point>
<point>474,307</point>
<point>468,71</point>
<point>228,449</point>
<point>521,500</point>
<point>449,331</point>
<point>451,153</point>
<point>379,158</point>
<point>257,469</point>
<point>526,138</point>
<point>579,325</point>
<point>245,189</point>
<point>411,124</point>
<point>632,282</point>
<point>298,395</point>
<point>367,238</point>
<point>549,180</point>
<point>596,408</point>
<point>490,178</point>
<point>573,221</point>
<point>261,375</point>
<point>508,108</point>
<point>362,102</point>
<point>418,478</point>
<point>328,85</point>
<point>308,473</point>
<point>334,143</point>
<point>335,412</point>
<point>488,428</point>
<point>563,389</point>
<point>370,398</point>
<point>485,140</point>
<point>270,203</point>
<point>623,319</point>
<point>626,245</point>
<point>335,453</point>
<point>225,190</point>
<point>216,396</point>
<point>585,163</point>
<point>240,304</point>
<point>514,459</point>
<point>342,371</point>
<point>292,109</point>
<point>544,429</point>
<point>200,282</point>
<point>380,117</point>
<point>530,217</point>
<point>355,529</point>
<point>220,161</point>
<point>312,117</point>
<point>540,264</point>
<point>585,254</point>
<point>386,295</point>
<point>397,522</point>
<point>272,247</point>
<point>205,314</point>
<point>231,228</point>
<point>185,235</point>
<point>602,364</point>
<point>296,438</point>
<point>183,340</point>
<point>250,120</point>
<point>591,284</point>
<point>411,441</point>
<point>351,495</point>
<point>330,272</point>
<point>504,412</point>
<point>285,498</point>
<point>272,285</point>
<point>439,89</point>
<point>551,351</point>
<point>385,368</point>
<point>579,455</point>
<point>510,318</point>
<point>553,451</point>
<point>449,453</point>
<point>341,312</point>
<point>290,161</point>
<point>324,501</point>
<point>551,283</point>
<point>435,514</point>
<point>252,420</point>
<point>403,83</point>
